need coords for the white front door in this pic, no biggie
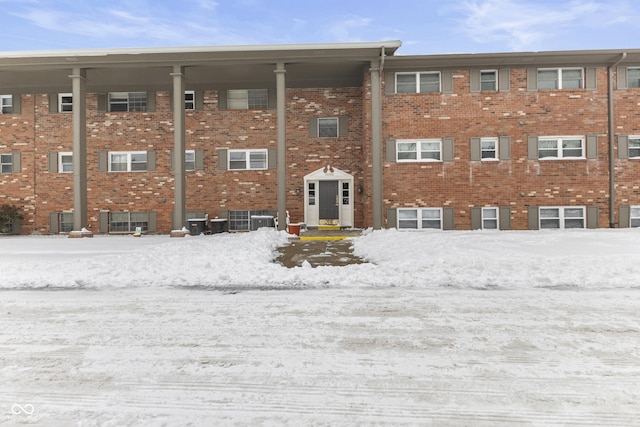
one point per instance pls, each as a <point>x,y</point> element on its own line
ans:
<point>328,198</point>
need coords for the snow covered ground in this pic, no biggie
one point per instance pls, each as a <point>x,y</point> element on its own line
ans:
<point>439,328</point>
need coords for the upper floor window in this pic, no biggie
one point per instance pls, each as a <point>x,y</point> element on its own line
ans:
<point>247,159</point>
<point>127,101</point>
<point>328,127</point>
<point>562,217</point>
<point>6,163</point>
<point>560,78</point>
<point>413,150</point>
<point>418,82</point>
<point>189,100</point>
<point>127,161</point>
<point>634,146</point>
<point>65,162</point>
<point>247,99</point>
<point>190,160</point>
<point>489,148</point>
<point>65,102</point>
<point>633,77</point>
<point>488,80</point>
<point>6,104</point>
<point>420,219</point>
<point>560,147</point>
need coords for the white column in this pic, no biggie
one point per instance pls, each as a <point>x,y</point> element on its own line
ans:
<point>282,144</point>
<point>179,209</point>
<point>79,106</point>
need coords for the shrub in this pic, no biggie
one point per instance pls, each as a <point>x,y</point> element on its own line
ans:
<point>8,214</point>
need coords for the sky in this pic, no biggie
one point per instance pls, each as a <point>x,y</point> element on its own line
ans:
<point>423,26</point>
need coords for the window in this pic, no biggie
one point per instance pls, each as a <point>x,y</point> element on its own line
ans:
<point>560,78</point>
<point>489,218</point>
<point>634,146</point>
<point>6,104</point>
<point>411,150</point>
<point>241,220</point>
<point>562,217</point>
<point>633,77</point>
<point>489,80</point>
<point>65,162</point>
<point>345,193</point>
<point>247,159</point>
<point>6,163</point>
<point>634,220</point>
<point>65,222</point>
<point>555,147</point>
<point>328,128</point>
<point>489,148</point>
<point>418,82</point>
<point>127,101</point>
<point>128,161</point>
<point>189,100</point>
<point>190,160</point>
<point>251,99</point>
<point>65,102</point>
<point>420,219</point>
<point>311,189</point>
<point>127,222</point>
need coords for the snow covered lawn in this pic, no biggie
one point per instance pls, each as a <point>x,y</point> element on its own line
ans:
<point>451,328</point>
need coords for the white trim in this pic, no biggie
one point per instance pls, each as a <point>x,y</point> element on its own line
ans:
<point>418,150</point>
<point>634,137</point>
<point>129,155</point>
<point>418,218</point>
<point>345,211</point>
<point>496,218</point>
<point>634,219</point>
<point>247,159</point>
<point>61,164</point>
<point>7,105</point>
<point>559,149</point>
<point>495,73</point>
<point>496,149</point>
<point>61,104</point>
<point>337,123</point>
<point>562,218</point>
<point>192,101</point>
<point>417,80</point>
<point>559,79</point>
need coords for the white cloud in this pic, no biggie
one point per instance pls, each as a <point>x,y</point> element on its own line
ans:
<point>342,30</point>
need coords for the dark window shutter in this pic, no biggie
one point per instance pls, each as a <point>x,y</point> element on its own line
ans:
<point>313,127</point>
<point>592,146</point>
<point>103,222</point>
<point>505,148</point>
<point>151,101</point>
<point>16,106</point>
<point>532,79</point>
<point>17,226</point>
<point>171,160</point>
<point>447,150</point>
<point>624,216</point>
<point>53,102</point>
<point>447,81</point>
<point>199,94</point>
<point>272,158</point>
<point>504,79</point>
<point>222,99</point>
<point>272,99</point>
<point>151,160</point>
<point>533,218</point>
<point>391,150</point>
<point>592,216</point>
<point>343,122</point>
<point>476,218</point>
<point>474,80</point>
<point>447,219</point>
<point>171,99</point>
<point>222,159</point>
<point>199,159</point>
<point>623,147</point>
<point>392,218</point>
<point>532,147</point>
<point>389,82</point>
<point>16,164</point>
<point>103,161</point>
<point>153,222</point>
<point>591,79</point>
<point>505,217</point>
<point>54,225</point>
<point>476,152</point>
<point>53,161</point>
<point>102,102</point>
<point>622,77</point>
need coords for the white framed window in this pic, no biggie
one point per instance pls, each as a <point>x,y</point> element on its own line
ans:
<point>560,78</point>
<point>346,193</point>
<point>311,192</point>
<point>247,159</point>
<point>490,218</point>
<point>634,147</point>
<point>418,150</point>
<point>562,217</point>
<point>6,163</point>
<point>328,127</point>
<point>247,99</point>
<point>6,104</point>
<point>418,82</point>
<point>190,160</point>
<point>127,222</point>
<point>561,147</point>
<point>189,100</point>
<point>127,101</point>
<point>419,218</point>
<point>633,77</point>
<point>65,222</point>
<point>127,161</point>
<point>489,148</point>
<point>65,102</point>
<point>634,220</point>
<point>488,80</point>
<point>65,162</point>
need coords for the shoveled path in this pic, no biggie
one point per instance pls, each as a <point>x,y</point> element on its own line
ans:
<point>320,248</point>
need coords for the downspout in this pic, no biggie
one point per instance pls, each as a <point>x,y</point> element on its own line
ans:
<point>612,195</point>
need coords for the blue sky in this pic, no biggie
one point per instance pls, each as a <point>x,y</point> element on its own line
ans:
<point>425,27</point>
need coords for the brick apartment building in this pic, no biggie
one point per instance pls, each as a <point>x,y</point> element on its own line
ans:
<point>342,134</point>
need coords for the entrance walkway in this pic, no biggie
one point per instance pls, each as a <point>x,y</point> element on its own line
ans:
<point>320,248</point>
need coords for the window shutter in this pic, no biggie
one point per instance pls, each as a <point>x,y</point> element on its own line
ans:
<point>53,102</point>
<point>624,216</point>
<point>592,217</point>
<point>103,222</point>
<point>272,99</point>
<point>591,79</point>
<point>476,218</point>
<point>171,160</point>
<point>391,150</point>
<point>592,146</point>
<point>272,158</point>
<point>447,149</point>
<point>504,79</point>
<point>53,223</point>
<point>532,79</point>
<point>343,122</point>
<point>17,226</point>
<point>171,99</point>
<point>622,77</point>
<point>102,102</point>
<point>222,159</point>
<point>313,127</point>
<point>533,148</point>
<point>392,218</point>
<point>505,148</point>
<point>447,220</point>
<point>505,217</point>
<point>222,99</point>
<point>199,160</point>
<point>474,80</point>
<point>151,101</point>
<point>623,147</point>
<point>476,152</point>
<point>16,165</point>
<point>533,218</point>
<point>53,161</point>
<point>199,94</point>
<point>103,161</point>
<point>153,222</point>
<point>389,82</point>
<point>16,107</point>
<point>151,160</point>
<point>447,81</point>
